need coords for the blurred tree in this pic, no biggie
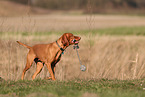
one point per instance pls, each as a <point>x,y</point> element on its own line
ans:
<point>21,1</point>
<point>97,5</point>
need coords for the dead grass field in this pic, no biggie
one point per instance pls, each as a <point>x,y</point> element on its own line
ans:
<point>120,57</point>
<point>106,57</point>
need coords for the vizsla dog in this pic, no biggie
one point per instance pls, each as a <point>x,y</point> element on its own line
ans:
<point>48,54</point>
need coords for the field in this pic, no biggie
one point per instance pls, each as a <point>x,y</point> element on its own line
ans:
<point>75,88</point>
<point>111,47</point>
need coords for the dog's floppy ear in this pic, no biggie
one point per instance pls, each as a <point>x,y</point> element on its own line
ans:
<point>65,41</point>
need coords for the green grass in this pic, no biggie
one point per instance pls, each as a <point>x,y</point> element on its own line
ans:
<point>76,88</point>
<point>122,31</point>
<point>117,31</point>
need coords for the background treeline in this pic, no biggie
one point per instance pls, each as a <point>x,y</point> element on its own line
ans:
<point>96,5</point>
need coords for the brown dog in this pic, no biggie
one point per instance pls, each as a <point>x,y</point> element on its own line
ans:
<point>48,54</point>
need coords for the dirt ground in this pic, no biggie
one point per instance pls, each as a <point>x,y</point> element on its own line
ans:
<point>61,22</point>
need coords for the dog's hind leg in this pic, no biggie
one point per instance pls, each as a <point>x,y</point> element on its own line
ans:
<point>30,59</point>
<point>48,65</point>
<point>53,70</point>
<point>38,69</point>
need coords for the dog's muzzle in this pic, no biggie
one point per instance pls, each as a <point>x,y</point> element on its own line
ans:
<point>75,41</point>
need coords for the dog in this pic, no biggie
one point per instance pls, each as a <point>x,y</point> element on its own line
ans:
<point>48,54</point>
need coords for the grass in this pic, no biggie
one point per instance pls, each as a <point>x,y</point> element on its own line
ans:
<point>75,88</point>
<point>117,31</point>
<point>123,31</point>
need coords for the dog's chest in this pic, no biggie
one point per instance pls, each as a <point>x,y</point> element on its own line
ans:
<point>58,55</point>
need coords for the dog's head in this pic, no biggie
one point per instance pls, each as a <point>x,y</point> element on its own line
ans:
<point>69,39</point>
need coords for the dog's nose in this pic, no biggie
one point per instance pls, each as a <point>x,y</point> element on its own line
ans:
<point>79,38</point>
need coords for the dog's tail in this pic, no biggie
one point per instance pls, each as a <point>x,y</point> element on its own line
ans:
<point>23,44</point>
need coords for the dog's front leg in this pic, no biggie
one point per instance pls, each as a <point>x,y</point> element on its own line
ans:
<point>50,71</point>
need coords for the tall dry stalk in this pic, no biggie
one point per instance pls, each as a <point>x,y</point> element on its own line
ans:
<point>141,71</point>
<point>135,66</point>
<point>90,22</point>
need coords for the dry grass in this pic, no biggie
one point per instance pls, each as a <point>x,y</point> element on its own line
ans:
<point>106,57</point>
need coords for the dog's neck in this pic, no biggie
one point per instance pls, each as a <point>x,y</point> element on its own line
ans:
<point>60,44</point>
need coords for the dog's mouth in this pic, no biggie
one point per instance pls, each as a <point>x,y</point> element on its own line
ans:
<point>75,41</point>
